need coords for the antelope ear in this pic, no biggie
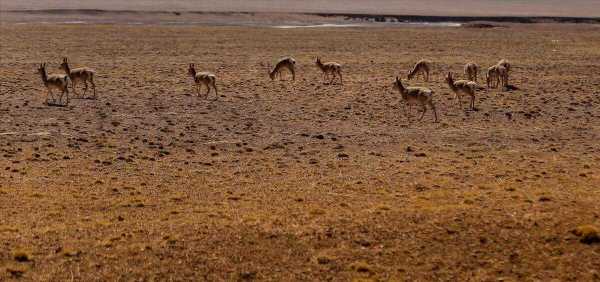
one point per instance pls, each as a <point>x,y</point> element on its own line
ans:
<point>397,79</point>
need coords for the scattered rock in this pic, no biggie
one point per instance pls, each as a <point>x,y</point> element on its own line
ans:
<point>247,275</point>
<point>22,256</point>
<point>544,199</point>
<point>588,234</point>
<point>361,267</point>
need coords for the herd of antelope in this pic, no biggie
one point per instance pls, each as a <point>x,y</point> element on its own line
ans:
<point>496,76</point>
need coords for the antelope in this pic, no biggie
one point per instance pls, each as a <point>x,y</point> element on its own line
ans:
<point>423,67</point>
<point>416,96</point>
<point>284,63</point>
<point>54,81</point>
<point>472,71</point>
<point>506,64</point>
<point>330,68</point>
<point>462,87</point>
<point>79,74</point>
<point>203,78</point>
<point>491,76</point>
<point>497,75</point>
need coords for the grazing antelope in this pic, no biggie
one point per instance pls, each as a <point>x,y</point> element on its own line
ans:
<point>471,71</point>
<point>497,75</point>
<point>285,63</point>
<point>79,74</point>
<point>416,96</point>
<point>330,68</point>
<point>203,78</point>
<point>423,67</point>
<point>462,87</point>
<point>54,81</point>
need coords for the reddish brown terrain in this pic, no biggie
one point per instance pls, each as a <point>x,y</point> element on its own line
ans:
<point>281,180</point>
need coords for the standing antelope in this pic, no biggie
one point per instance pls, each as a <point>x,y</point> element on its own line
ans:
<point>285,63</point>
<point>328,68</point>
<point>497,75</point>
<point>416,96</point>
<point>423,67</point>
<point>79,74</point>
<point>506,64</point>
<point>203,78</point>
<point>462,87</point>
<point>472,71</point>
<point>54,81</point>
<point>491,76</point>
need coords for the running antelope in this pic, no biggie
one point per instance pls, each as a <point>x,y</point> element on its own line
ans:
<point>54,81</point>
<point>471,71</point>
<point>462,87</point>
<point>416,96</point>
<point>423,67</point>
<point>79,74</point>
<point>203,78</point>
<point>330,68</point>
<point>285,63</point>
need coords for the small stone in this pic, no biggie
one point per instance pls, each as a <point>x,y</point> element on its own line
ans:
<point>588,234</point>
<point>544,199</point>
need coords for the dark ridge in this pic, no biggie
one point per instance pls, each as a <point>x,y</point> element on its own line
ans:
<point>347,16</point>
<point>460,19</point>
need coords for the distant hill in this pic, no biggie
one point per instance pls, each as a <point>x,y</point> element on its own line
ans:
<point>572,8</point>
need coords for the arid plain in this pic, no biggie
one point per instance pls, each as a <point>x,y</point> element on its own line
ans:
<point>298,181</point>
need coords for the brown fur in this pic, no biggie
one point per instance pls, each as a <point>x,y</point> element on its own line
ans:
<point>285,63</point>
<point>54,81</point>
<point>472,71</point>
<point>416,96</point>
<point>461,88</point>
<point>79,75</point>
<point>330,68</point>
<point>207,79</point>
<point>423,67</point>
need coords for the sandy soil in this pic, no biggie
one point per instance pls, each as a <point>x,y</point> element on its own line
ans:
<point>298,181</point>
<point>572,8</point>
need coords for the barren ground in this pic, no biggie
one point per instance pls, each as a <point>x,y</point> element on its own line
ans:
<point>298,181</point>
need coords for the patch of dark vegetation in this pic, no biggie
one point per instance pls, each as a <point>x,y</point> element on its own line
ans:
<point>481,25</point>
